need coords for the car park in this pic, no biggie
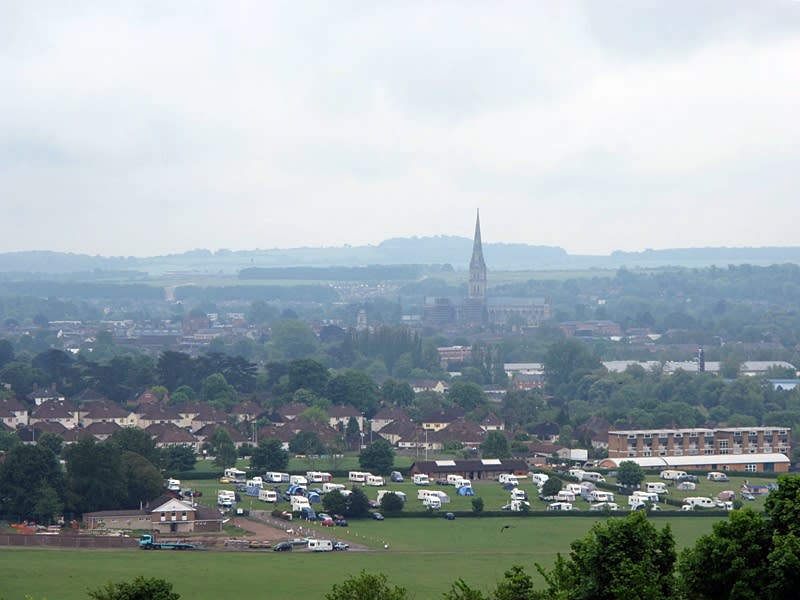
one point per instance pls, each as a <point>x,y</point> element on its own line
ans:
<point>282,547</point>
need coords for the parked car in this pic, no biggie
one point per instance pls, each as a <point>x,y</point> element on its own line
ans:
<point>282,547</point>
<point>341,522</point>
<point>327,522</point>
<point>449,516</point>
<point>322,516</point>
<point>748,496</point>
<point>377,516</point>
<point>341,546</point>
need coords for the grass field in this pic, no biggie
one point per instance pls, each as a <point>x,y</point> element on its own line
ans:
<point>425,555</point>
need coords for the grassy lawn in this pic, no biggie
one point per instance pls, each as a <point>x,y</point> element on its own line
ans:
<point>425,555</point>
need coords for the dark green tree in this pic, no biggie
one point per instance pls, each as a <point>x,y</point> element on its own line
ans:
<point>366,586</point>
<point>95,476</point>
<point>306,442</point>
<point>142,479</point>
<point>551,487</point>
<point>467,395</point>
<point>52,441</point>
<point>391,503</point>
<point>477,505</point>
<point>269,456</point>
<point>292,339</point>
<point>355,388</point>
<point>176,459</point>
<point>630,474</point>
<point>307,374</point>
<point>377,457</point>
<point>357,503</point>
<point>495,446</point>
<point>23,473</point>
<point>223,448</point>
<point>335,502</point>
<point>397,393</point>
<point>141,588</point>
<point>134,439</point>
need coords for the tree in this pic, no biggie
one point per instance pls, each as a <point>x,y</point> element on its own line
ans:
<point>142,479</point>
<point>468,396</point>
<point>133,439</point>
<point>218,391</point>
<point>516,585</point>
<point>48,504</point>
<point>52,441</point>
<point>269,456</point>
<point>619,558</point>
<point>178,458</point>
<point>366,586</point>
<point>223,448</point>
<point>355,388</point>
<point>391,503</point>
<point>378,457</point>
<point>23,473</point>
<point>306,442</point>
<point>495,446</point>
<point>292,339</point>
<point>141,588</point>
<point>335,502</point>
<point>95,477</point>
<point>308,374</point>
<point>397,393</point>
<point>357,503</point>
<point>477,505</point>
<point>630,474</point>
<point>8,440</point>
<point>551,487</point>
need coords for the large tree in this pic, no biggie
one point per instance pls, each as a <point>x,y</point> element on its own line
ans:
<point>630,474</point>
<point>95,476</point>
<point>355,388</point>
<point>269,455</point>
<point>222,447</point>
<point>141,588</point>
<point>25,471</point>
<point>378,457</point>
<point>366,586</point>
<point>495,446</point>
<point>134,439</point>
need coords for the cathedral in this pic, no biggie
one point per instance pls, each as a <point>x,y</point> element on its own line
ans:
<point>478,308</point>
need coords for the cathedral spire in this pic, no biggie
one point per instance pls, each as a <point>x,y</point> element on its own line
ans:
<point>477,266</point>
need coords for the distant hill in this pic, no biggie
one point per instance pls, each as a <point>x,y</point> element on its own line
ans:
<point>440,250</point>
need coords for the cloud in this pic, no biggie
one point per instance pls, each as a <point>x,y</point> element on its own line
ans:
<point>594,126</point>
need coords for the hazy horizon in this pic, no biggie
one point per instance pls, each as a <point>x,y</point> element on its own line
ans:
<point>153,129</point>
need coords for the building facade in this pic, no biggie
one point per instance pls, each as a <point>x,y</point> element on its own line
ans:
<point>644,443</point>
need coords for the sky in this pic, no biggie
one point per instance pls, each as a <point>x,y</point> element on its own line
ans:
<point>150,127</point>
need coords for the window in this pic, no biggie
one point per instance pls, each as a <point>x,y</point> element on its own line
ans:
<point>723,444</point>
<point>647,453</point>
<point>708,451</point>
<point>750,468</point>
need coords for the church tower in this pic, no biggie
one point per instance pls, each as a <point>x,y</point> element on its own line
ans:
<point>477,266</point>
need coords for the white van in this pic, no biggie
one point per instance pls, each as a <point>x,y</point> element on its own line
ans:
<point>658,487</point>
<point>574,488</point>
<point>375,480</point>
<point>300,502</point>
<point>268,496</point>
<point>320,545</point>
<point>592,476</point>
<point>357,476</point>
<point>174,485</point>
<point>226,498</point>
<point>671,474</point>
<point>432,502</point>
<point>560,506</point>
<point>576,473</point>
<point>518,494</point>
<point>699,502</point>
<point>421,479</point>
<point>329,487</point>
<point>276,477</point>
<point>508,478</point>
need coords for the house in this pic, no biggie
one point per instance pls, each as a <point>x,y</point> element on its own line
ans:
<point>429,385</point>
<point>55,411</point>
<point>41,395</point>
<point>205,433</point>
<point>102,430</point>
<point>339,416</point>
<point>167,435</point>
<point>208,415</point>
<point>8,418</point>
<point>292,410</point>
<point>387,415</point>
<point>16,408</point>
<point>30,434</point>
<point>528,381</point>
<point>148,398</point>
<point>547,432</point>
<point>440,419</point>
<point>468,433</point>
<point>246,411</point>
<point>403,433</point>
<point>104,411</point>
<point>491,422</point>
<point>151,414</point>
<point>176,516</point>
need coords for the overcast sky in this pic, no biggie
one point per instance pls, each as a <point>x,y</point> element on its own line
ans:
<point>600,125</point>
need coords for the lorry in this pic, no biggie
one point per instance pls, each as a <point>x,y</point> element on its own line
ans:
<point>149,542</point>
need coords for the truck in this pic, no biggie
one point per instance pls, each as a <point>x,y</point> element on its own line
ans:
<point>149,542</point>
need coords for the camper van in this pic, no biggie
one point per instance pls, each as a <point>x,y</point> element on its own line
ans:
<point>672,475</point>
<point>642,497</point>
<point>592,476</point>
<point>268,496</point>
<point>508,478</point>
<point>518,494</point>
<point>320,545</point>
<point>329,487</point>
<point>699,502</point>
<point>235,475</point>
<point>226,498</point>
<point>432,502</point>
<point>659,487</point>
<point>375,480</point>
<point>299,503</point>
<point>318,476</point>
<point>255,482</point>
<point>276,477</point>
<point>174,485</point>
<point>358,476</point>
<point>565,496</point>
<point>717,476</point>
<point>421,479</point>
<point>539,479</point>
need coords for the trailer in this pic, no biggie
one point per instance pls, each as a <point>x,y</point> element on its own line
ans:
<point>149,542</point>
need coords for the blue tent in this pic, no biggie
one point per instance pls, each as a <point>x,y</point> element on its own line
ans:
<point>313,497</point>
<point>465,491</point>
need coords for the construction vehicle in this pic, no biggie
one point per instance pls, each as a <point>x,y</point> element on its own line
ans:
<point>149,542</point>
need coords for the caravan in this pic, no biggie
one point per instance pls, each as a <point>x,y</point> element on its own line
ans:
<point>329,487</point>
<point>276,477</point>
<point>358,476</point>
<point>318,476</point>
<point>320,545</point>
<point>658,487</point>
<point>226,498</point>
<point>234,475</point>
<point>508,478</point>
<point>421,479</point>
<point>268,496</point>
<point>375,480</point>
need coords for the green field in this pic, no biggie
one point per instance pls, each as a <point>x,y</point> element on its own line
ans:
<point>425,555</point>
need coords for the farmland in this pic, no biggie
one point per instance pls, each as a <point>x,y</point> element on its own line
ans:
<point>425,555</point>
